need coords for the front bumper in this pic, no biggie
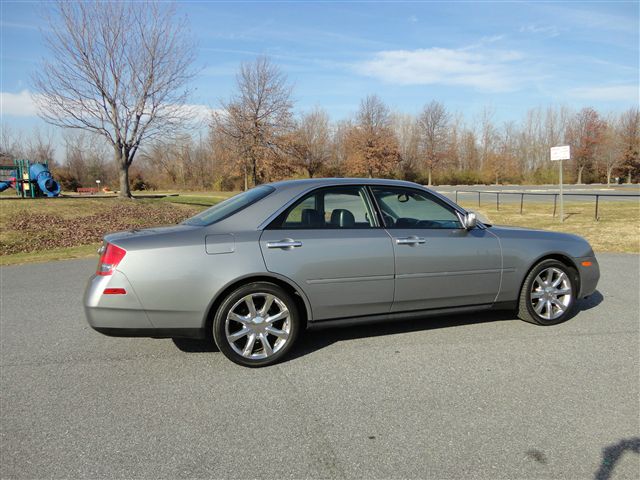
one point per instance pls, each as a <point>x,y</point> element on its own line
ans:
<point>589,275</point>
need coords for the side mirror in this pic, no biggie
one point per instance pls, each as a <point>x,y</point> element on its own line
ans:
<point>470,221</point>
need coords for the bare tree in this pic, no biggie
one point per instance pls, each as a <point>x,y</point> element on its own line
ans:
<point>310,143</point>
<point>433,125</point>
<point>117,69</point>
<point>405,129</point>
<point>371,145</point>
<point>585,133</point>
<point>257,117</point>
<point>629,133</point>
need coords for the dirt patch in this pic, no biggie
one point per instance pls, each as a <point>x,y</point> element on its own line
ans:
<point>31,232</point>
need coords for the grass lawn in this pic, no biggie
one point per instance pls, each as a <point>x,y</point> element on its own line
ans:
<point>54,229</point>
<point>617,230</point>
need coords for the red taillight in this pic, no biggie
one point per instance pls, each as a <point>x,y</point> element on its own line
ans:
<point>114,291</point>
<point>110,258</point>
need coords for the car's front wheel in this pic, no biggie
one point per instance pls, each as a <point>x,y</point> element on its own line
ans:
<point>256,324</point>
<point>548,294</point>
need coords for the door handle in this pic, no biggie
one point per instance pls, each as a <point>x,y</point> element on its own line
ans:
<point>410,240</point>
<point>285,244</point>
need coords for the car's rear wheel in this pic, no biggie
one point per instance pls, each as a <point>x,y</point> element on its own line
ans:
<point>548,294</point>
<point>256,324</point>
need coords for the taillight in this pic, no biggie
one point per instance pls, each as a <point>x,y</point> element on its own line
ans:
<point>111,256</point>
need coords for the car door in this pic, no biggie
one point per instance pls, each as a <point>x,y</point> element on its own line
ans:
<point>330,244</point>
<point>438,263</point>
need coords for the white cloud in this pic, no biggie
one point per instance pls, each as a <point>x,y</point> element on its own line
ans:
<point>611,93</point>
<point>492,70</point>
<point>549,30</point>
<point>18,104</point>
<point>22,105</point>
<point>197,112</point>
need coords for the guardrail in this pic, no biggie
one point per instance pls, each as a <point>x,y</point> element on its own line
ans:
<point>555,197</point>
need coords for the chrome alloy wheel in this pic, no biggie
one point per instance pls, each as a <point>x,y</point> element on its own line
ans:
<point>258,325</point>
<point>551,293</point>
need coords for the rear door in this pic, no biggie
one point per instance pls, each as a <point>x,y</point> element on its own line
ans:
<point>438,263</point>
<point>330,244</point>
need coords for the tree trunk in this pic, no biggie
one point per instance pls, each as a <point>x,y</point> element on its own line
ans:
<point>580,169</point>
<point>429,176</point>
<point>629,178</point>
<point>123,173</point>
<point>609,177</point>
<point>246,178</point>
<point>125,190</point>
<point>255,172</point>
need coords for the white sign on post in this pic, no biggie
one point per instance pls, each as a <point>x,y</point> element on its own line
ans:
<point>558,154</point>
<point>561,153</point>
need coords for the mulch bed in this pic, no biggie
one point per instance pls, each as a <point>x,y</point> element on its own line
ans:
<point>40,231</point>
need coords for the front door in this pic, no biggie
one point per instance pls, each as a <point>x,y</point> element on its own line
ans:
<point>330,244</point>
<point>438,263</point>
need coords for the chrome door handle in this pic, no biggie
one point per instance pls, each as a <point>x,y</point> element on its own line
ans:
<point>410,240</point>
<point>286,243</point>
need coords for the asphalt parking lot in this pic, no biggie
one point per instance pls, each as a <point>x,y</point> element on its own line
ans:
<point>474,396</point>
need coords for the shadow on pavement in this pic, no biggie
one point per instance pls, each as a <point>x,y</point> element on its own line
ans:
<point>612,453</point>
<point>591,301</point>
<point>194,345</point>
<point>313,340</point>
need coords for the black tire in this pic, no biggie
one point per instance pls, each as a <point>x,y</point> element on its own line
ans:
<point>220,324</point>
<point>526,310</point>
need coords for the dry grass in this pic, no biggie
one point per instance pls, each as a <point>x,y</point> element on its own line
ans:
<point>617,230</point>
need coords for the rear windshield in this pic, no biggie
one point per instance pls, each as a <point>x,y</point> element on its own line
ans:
<point>230,206</point>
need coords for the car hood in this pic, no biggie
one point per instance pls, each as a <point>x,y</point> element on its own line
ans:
<point>570,241</point>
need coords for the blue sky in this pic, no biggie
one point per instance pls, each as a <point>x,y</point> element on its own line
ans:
<point>506,55</point>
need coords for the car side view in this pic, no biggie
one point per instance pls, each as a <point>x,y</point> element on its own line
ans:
<point>256,270</point>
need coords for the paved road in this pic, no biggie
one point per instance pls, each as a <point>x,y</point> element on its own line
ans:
<point>476,396</point>
<point>511,193</point>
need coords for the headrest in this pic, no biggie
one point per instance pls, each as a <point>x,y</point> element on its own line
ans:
<point>342,218</point>
<point>311,218</point>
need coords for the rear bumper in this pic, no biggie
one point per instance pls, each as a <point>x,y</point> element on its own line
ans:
<point>113,311</point>
<point>589,275</point>
<point>123,315</point>
<point>152,332</point>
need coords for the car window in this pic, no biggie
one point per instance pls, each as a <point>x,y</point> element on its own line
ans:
<point>333,207</point>
<point>408,208</point>
<point>230,206</point>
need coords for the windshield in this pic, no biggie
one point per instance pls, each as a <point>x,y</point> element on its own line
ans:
<point>229,206</point>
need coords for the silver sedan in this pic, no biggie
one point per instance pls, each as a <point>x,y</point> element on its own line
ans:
<point>256,270</point>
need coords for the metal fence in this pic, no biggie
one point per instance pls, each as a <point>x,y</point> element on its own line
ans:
<point>555,197</point>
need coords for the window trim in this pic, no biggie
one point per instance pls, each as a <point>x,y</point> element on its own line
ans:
<point>367,198</point>
<point>425,193</point>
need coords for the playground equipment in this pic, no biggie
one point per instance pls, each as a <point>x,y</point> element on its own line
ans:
<point>30,180</point>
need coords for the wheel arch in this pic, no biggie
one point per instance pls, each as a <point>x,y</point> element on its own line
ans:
<point>296,292</point>
<point>559,256</point>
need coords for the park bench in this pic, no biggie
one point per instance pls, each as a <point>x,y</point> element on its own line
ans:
<point>86,191</point>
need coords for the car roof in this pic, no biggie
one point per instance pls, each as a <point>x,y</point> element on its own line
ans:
<point>321,182</point>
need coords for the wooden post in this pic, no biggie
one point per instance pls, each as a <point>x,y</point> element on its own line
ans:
<point>561,200</point>
<point>521,202</point>
<point>555,200</point>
